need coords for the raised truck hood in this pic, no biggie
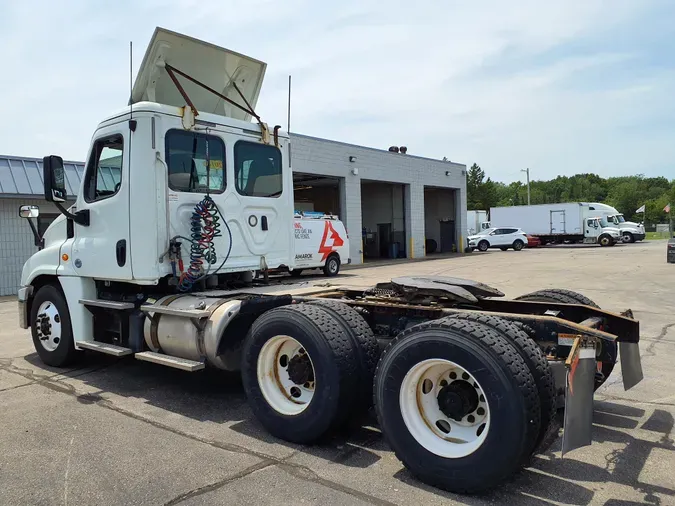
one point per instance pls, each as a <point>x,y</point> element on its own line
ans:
<point>214,66</point>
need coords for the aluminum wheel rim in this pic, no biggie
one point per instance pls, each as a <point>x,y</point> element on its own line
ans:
<point>431,428</point>
<point>48,326</point>
<point>281,392</point>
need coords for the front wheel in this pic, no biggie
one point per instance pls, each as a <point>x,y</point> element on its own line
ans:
<point>605,240</point>
<point>628,237</point>
<point>51,328</point>
<point>457,404</point>
<point>518,245</point>
<point>483,246</point>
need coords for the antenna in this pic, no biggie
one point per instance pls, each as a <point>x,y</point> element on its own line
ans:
<point>131,78</point>
<point>288,122</point>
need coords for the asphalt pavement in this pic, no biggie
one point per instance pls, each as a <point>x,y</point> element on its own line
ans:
<point>121,431</point>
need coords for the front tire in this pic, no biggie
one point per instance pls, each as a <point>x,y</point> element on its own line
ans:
<point>299,372</point>
<point>605,240</point>
<point>457,404</point>
<point>483,246</point>
<point>628,237</point>
<point>51,327</point>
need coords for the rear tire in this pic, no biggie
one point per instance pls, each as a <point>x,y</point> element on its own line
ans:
<point>364,342</point>
<point>410,379</point>
<point>504,248</point>
<point>295,273</point>
<point>53,333</point>
<point>570,297</point>
<point>293,402</point>
<point>332,266</point>
<point>518,244</point>
<point>536,361</point>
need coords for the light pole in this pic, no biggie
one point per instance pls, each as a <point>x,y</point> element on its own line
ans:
<point>527,171</point>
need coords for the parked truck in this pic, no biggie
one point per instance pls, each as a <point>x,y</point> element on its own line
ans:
<point>183,196</point>
<point>630,231</point>
<point>477,221</point>
<point>572,222</point>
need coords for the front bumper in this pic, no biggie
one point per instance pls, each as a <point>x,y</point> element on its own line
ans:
<point>639,237</point>
<point>24,295</point>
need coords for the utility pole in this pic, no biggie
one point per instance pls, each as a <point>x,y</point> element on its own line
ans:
<point>527,171</point>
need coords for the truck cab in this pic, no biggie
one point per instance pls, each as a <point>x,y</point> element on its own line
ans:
<point>597,230</point>
<point>180,190</point>
<point>630,231</point>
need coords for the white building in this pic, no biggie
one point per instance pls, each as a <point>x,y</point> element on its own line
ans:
<point>401,205</point>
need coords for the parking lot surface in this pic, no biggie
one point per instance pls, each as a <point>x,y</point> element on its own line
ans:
<point>121,431</point>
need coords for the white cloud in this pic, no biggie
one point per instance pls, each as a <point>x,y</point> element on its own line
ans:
<point>503,84</point>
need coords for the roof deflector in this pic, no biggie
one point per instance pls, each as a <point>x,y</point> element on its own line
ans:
<point>179,70</point>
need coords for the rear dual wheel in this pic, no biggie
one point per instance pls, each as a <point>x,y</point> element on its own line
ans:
<point>304,368</point>
<point>457,403</point>
<point>608,351</point>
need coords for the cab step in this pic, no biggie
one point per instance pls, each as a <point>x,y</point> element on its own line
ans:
<point>175,362</point>
<point>186,313</point>
<point>107,304</point>
<point>108,349</point>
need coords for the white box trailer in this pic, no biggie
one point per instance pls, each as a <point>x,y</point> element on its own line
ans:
<point>556,223</point>
<point>476,221</point>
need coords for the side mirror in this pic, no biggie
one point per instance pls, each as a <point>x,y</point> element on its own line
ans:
<point>29,211</point>
<point>55,179</point>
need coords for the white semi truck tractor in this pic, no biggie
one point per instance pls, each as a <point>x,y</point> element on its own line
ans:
<point>183,197</point>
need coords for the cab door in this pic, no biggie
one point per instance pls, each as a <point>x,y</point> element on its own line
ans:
<point>101,250</point>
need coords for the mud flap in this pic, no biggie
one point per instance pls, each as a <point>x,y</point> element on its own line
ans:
<point>631,365</point>
<point>578,423</point>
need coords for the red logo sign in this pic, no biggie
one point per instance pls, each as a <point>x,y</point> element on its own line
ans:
<point>330,241</point>
<point>297,224</point>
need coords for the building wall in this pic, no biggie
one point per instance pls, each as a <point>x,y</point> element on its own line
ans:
<point>16,241</point>
<point>438,204</point>
<point>320,156</point>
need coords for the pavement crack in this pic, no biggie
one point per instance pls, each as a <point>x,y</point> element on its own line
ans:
<point>17,386</point>
<point>649,352</point>
<point>306,474</point>
<point>221,483</point>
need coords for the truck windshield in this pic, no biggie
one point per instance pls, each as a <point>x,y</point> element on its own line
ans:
<point>620,218</point>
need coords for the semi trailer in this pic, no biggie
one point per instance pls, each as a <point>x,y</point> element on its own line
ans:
<point>183,196</point>
<point>571,222</point>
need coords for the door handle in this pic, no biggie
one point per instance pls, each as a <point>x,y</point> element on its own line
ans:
<point>263,222</point>
<point>121,252</point>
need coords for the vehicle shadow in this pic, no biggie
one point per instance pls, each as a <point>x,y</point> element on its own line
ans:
<point>218,397</point>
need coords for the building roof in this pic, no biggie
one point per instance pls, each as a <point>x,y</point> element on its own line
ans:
<point>23,176</point>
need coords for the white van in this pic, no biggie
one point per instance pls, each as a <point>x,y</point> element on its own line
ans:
<point>321,242</point>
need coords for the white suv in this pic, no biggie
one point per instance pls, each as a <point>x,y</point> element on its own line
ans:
<point>498,237</point>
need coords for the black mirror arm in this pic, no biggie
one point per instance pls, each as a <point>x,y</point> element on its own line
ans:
<point>39,241</point>
<point>79,217</point>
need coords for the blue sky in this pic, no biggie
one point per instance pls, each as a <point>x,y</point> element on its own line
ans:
<point>560,87</point>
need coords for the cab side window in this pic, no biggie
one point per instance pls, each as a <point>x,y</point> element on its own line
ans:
<point>188,154</point>
<point>257,169</point>
<point>104,169</point>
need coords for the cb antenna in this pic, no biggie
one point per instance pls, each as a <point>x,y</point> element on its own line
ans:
<point>288,121</point>
<point>131,77</point>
